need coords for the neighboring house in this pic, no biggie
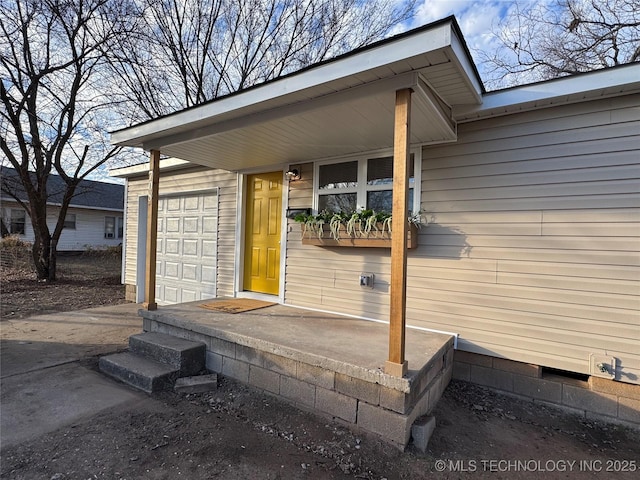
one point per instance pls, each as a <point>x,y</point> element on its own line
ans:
<point>532,194</point>
<point>94,218</point>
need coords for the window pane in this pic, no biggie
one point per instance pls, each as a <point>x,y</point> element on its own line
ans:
<point>345,202</point>
<point>382,200</point>
<point>18,219</point>
<point>380,170</point>
<point>338,175</point>
<point>120,227</point>
<point>70,221</point>
<point>109,227</point>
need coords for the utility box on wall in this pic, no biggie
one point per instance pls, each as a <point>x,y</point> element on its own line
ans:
<point>602,366</point>
<point>366,280</point>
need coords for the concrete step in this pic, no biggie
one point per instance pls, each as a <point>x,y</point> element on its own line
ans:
<point>139,372</point>
<point>185,355</point>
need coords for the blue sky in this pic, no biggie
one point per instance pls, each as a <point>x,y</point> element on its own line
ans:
<point>477,20</point>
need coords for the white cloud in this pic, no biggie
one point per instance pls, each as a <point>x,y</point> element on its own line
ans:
<point>475,13</point>
<point>478,19</point>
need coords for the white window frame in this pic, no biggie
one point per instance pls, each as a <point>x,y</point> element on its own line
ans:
<point>362,188</point>
<point>119,227</point>
<point>114,233</point>
<point>13,220</point>
<point>68,220</point>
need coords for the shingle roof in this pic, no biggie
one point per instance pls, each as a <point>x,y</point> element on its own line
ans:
<point>89,193</point>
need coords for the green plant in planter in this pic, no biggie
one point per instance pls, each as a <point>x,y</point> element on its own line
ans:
<point>313,223</point>
<point>363,223</point>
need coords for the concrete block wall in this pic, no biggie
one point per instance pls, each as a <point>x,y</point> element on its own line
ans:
<point>130,293</point>
<point>376,408</point>
<point>597,398</point>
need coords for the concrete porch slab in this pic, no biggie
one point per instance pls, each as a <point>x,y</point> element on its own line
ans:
<point>319,361</point>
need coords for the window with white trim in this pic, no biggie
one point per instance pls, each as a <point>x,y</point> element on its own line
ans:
<point>18,220</point>
<point>109,227</point>
<point>70,221</point>
<point>113,227</point>
<point>364,183</point>
<point>119,227</point>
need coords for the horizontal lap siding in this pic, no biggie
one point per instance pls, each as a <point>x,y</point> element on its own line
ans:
<point>328,278</point>
<point>548,203</point>
<point>532,248</point>
<point>88,234</point>
<point>136,187</point>
<point>191,180</point>
<point>89,231</point>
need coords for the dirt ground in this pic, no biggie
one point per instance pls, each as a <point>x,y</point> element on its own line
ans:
<point>237,432</point>
<point>84,281</point>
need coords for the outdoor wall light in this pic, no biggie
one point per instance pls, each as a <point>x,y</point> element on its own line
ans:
<point>293,174</point>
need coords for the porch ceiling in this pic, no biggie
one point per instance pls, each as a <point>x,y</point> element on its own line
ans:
<point>340,107</point>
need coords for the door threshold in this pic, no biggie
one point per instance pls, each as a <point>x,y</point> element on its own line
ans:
<point>258,296</point>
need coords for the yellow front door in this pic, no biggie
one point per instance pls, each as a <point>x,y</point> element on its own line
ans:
<point>262,239</point>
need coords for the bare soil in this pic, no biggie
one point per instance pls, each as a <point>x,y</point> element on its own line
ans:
<point>84,280</point>
<point>237,432</point>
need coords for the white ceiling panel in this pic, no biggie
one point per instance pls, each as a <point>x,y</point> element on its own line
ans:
<point>339,107</point>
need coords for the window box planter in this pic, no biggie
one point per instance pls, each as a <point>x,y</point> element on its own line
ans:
<point>373,239</point>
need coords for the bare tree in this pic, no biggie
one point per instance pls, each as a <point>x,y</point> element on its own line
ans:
<point>197,50</point>
<point>52,56</point>
<point>543,40</point>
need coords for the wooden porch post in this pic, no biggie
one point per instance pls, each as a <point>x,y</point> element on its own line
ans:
<point>152,232</point>
<point>397,365</point>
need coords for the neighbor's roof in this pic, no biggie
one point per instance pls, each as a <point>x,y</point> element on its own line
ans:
<point>89,193</point>
<point>337,107</point>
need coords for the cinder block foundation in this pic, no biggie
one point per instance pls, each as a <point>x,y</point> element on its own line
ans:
<point>369,399</point>
<point>597,398</point>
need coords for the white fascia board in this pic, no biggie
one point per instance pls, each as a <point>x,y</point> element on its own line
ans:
<point>85,207</point>
<point>142,168</point>
<point>352,64</point>
<point>7,199</point>
<point>465,65</point>
<point>553,92</point>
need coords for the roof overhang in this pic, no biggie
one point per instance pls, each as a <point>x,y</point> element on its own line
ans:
<point>166,165</point>
<point>339,107</point>
<point>599,84</point>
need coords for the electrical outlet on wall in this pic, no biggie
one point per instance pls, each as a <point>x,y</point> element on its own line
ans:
<point>602,366</point>
<point>366,280</point>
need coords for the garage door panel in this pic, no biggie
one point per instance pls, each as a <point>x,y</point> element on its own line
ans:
<point>210,203</point>
<point>170,294</point>
<point>171,270</point>
<point>208,275</point>
<point>191,203</point>
<point>187,247</point>
<point>172,225</point>
<point>190,225</point>
<point>209,224</point>
<point>208,248</point>
<point>188,295</point>
<point>189,272</point>
<point>171,246</point>
<point>190,247</point>
<point>173,204</point>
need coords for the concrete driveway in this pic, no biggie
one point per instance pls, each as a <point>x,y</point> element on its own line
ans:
<point>43,383</point>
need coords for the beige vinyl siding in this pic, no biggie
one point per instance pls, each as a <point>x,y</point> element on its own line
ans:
<point>328,278</point>
<point>549,202</point>
<point>136,187</point>
<point>532,253</point>
<point>184,181</point>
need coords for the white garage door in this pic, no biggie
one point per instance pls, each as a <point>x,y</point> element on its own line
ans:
<point>186,259</point>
